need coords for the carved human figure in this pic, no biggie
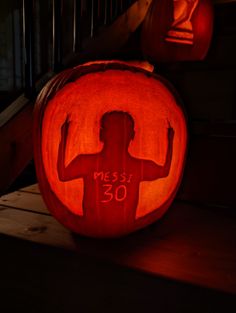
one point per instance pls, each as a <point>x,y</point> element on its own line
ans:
<point>181,30</point>
<point>112,176</point>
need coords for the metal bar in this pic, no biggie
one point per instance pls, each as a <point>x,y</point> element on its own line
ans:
<point>76,25</point>
<point>99,9</point>
<point>100,13</point>
<point>92,19</point>
<point>106,12</point>
<point>57,35</point>
<point>120,7</point>
<point>82,7</point>
<point>14,51</point>
<point>111,11</point>
<point>116,9</point>
<point>28,46</point>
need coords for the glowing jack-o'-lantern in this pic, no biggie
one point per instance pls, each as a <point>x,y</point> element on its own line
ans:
<point>177,30</point>
<point>110,143</point>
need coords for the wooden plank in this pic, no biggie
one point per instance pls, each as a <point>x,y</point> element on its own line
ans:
<point>34,227</point>
<point>16,143</point>
<point>13,109</point>
<point>189,244</point>
<point>24,201</point>
<point>21,102</point>
<point>32,189</point>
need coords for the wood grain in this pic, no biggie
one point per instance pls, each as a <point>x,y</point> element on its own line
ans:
<point>27,201</point>
<point>32,189</point>
<point>16,146</point>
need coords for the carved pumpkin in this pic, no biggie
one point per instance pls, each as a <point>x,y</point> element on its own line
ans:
<point>109,143</point>
<point>177,30</point>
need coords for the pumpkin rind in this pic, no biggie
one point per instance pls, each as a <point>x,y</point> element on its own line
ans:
<point>82,96</point>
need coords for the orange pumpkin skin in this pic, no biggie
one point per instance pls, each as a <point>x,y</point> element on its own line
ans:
<point>174,31</point>
<point>109,145</point>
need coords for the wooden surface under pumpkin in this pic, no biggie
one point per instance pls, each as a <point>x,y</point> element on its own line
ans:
<point>110,142</point>
<point>192,244</point>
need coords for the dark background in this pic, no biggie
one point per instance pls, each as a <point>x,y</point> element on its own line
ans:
<point>39,279</point>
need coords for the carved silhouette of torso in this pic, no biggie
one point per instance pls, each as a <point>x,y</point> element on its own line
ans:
<point>112,176</point>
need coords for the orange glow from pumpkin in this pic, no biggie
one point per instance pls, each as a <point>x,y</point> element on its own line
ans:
<point>80,105</point>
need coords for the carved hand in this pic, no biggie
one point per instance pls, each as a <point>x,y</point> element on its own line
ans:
<point>170,131</point>
<point>65,127</point>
